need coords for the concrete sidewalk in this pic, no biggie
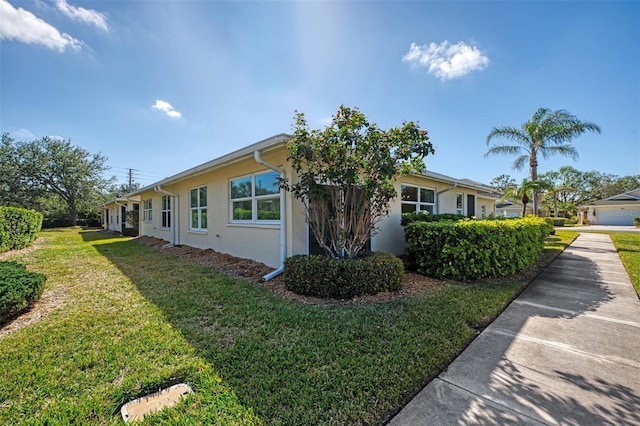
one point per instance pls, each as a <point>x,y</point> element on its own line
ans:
<point>565,352</point>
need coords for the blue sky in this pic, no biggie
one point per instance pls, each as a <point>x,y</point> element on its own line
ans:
<point>161,86</point>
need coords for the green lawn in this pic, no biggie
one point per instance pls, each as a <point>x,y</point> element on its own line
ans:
<point>628,246</point>
<point>135,319</point>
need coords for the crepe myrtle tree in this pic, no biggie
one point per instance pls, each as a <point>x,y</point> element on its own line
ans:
<point>346,174</point>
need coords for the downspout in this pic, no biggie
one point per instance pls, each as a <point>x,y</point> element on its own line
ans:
<point>283,227</point>
<point>175,212</point>
<point>455,184</point>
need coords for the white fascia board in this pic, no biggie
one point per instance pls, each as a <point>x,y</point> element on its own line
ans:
<point>233,157</point>
<point>448,179</point>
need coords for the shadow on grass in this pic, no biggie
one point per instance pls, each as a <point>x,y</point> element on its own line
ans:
<point>298,364</point>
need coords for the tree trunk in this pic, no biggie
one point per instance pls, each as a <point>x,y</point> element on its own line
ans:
<point>73,212</point>
<point>525,201</point>
<point>533,165</point>
<point>555,205</point>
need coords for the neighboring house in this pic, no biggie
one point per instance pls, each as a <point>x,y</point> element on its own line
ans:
<point>114,213</point>
<point>233,204</point>
<point>617,210</point>
<point>508,208</point>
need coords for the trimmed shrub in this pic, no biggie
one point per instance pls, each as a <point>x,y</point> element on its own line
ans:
<point>19,288</point>
<point>18,227</point>
<point>550,223</point>
<point>469,249</point>
<point>558,221</point>
<point>408,218</point>
<point>322,276</point>
<point>636,221</point>
<point>130,232</point>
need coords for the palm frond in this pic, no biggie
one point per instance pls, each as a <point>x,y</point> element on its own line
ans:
<point>564,150</point>
<point>520,162</point>
<point>561,126</point>
<point>510,133</point>
<point>504,150</point>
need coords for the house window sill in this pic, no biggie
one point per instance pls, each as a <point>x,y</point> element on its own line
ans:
<point>255,225</point>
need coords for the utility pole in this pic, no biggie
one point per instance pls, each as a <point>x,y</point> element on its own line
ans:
<point>130,179</point>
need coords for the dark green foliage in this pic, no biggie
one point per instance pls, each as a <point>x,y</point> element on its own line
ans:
<point>549,223</point>
<point>62,223</point>
<point>51,173</point>
<point>322,276</point>
<point>19,288</point>
<point>130,232</point>
<point>346,174</point>
<point>408,218</point>
<point>636,221</point>
<point>468,249</point>
<point>18,227</point>
<point>559,221</point>
<point>246,214</point>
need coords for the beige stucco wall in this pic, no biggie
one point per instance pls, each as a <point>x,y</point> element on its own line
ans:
<point>390,234</point>
<point>260,242</point>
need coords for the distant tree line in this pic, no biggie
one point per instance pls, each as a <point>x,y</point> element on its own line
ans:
<point>567,188</point>
<point>62,181</point>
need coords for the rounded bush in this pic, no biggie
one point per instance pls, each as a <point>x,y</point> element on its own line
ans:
<point>324,277</point>
<point>19,288</point>
<point>18,227</point>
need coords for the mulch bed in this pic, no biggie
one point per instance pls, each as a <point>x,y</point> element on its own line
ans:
<point>254,271</point>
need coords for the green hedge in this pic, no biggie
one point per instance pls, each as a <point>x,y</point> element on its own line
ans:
<point>636,221</point>
<point>18,227</point>
<point>245,214</point>
<point>469,249</point>
<point>322,276</point>
<point>19,288</point>
<point>551,223</point>
<point>408,218</point>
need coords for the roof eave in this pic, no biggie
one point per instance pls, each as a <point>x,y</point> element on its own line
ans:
<point>232,157</point>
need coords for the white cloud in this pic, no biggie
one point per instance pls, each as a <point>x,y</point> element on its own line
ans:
<point>23,135</point>
<point>88,16</point>
<point>445,60</point>
<point>166,108</point>
<point>23,26</point>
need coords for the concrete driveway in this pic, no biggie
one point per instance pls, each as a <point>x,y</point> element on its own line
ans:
<point>565,352</point>
<point>600,228</point>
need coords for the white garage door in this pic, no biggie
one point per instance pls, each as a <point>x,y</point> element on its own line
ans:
<point>617,216</point>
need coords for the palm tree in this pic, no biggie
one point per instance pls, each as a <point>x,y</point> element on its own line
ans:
<point>546,133</point>
<point>554,191</point>
<point>525,192</point>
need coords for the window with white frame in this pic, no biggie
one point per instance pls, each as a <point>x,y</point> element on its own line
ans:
<point>460,203</point>
<point>147,209</point>
<point>166,211</point>
<point>255,198</point>
<point>198,208</point>
<point>417,199</point>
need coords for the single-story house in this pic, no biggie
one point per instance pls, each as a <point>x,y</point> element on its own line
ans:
<point>508,208</point>
<point>616,210</point>
<point>233,204</point>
